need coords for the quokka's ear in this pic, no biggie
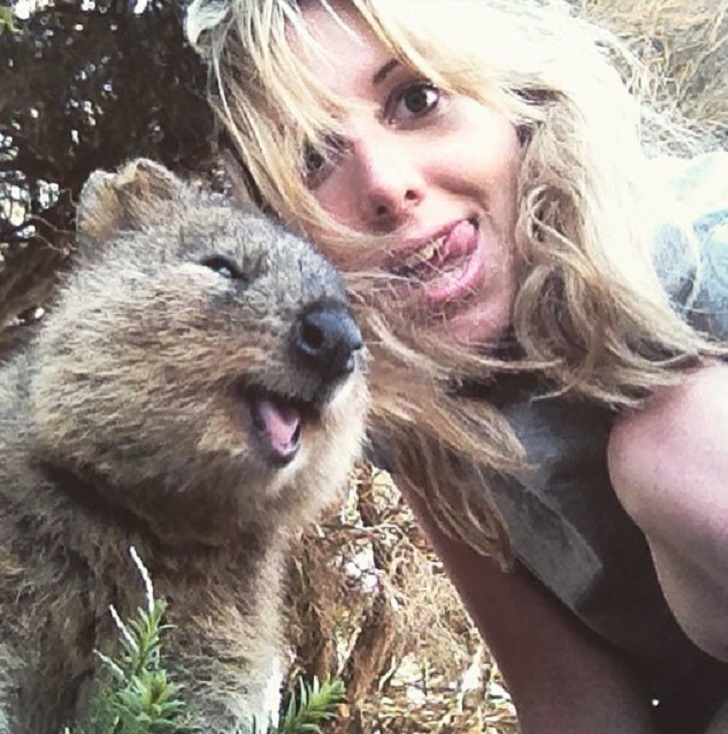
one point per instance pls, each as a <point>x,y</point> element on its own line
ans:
<point>112,202</point>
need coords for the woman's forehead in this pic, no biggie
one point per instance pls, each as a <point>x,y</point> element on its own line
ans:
<point>339,47</point>
<point>328,26</point>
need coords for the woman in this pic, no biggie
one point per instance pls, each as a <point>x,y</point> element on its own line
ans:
<point>538,304</point>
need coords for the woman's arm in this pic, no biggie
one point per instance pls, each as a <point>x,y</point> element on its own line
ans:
<point>562,679</point>
<point>669,467</point>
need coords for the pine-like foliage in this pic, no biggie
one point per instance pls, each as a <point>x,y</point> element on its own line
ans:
<point>315,703</point>
<point>138,695</point>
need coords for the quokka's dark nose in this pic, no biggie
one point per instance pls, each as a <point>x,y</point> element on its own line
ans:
<point>327,338</point>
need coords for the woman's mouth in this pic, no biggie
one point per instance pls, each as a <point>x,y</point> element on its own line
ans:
<point>448,267</point>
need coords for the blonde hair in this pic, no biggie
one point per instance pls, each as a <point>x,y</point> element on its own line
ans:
<point>590,316</point>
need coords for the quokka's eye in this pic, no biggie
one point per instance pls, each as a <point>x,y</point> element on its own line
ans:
<point>224,266</point>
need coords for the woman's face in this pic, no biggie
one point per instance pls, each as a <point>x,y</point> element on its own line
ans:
<point>438,172</point>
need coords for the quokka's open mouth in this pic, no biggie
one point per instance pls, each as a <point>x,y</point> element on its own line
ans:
<point>277,423</point>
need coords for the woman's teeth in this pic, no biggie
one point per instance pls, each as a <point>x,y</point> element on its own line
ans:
<point>425,256</point>
<point>453,264</point>
<point>446,269</point>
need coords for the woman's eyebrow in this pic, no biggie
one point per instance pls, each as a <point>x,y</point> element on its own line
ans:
<point>381,75</point>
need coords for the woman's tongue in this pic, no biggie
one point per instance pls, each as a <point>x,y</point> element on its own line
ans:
<point>454,269</point>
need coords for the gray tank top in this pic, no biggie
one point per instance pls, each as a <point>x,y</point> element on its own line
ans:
<point>589,553</point>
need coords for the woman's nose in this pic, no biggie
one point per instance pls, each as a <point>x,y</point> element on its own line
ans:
<point>390,185</point>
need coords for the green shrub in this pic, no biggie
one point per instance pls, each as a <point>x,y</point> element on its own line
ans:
<point>137,696</point>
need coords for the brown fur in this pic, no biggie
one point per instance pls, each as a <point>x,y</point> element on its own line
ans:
<point>124,422</point>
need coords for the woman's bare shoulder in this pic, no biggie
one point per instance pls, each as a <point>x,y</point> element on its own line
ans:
<point>671,452</point>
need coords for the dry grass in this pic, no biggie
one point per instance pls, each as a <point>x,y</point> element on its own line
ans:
<point>685,42</point>
<point>371,604</point>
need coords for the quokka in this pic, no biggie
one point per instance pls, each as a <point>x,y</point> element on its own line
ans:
<point>195,390</point>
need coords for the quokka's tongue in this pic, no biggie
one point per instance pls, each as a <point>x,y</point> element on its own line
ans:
<point>279,425</point>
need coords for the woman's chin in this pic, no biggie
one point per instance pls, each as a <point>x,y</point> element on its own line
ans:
<point>481,325</point>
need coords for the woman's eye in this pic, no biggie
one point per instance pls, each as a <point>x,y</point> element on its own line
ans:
<point>315,166</point>
<point>317,161</point>
<point>313,160</point>
<point>414,101</point>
